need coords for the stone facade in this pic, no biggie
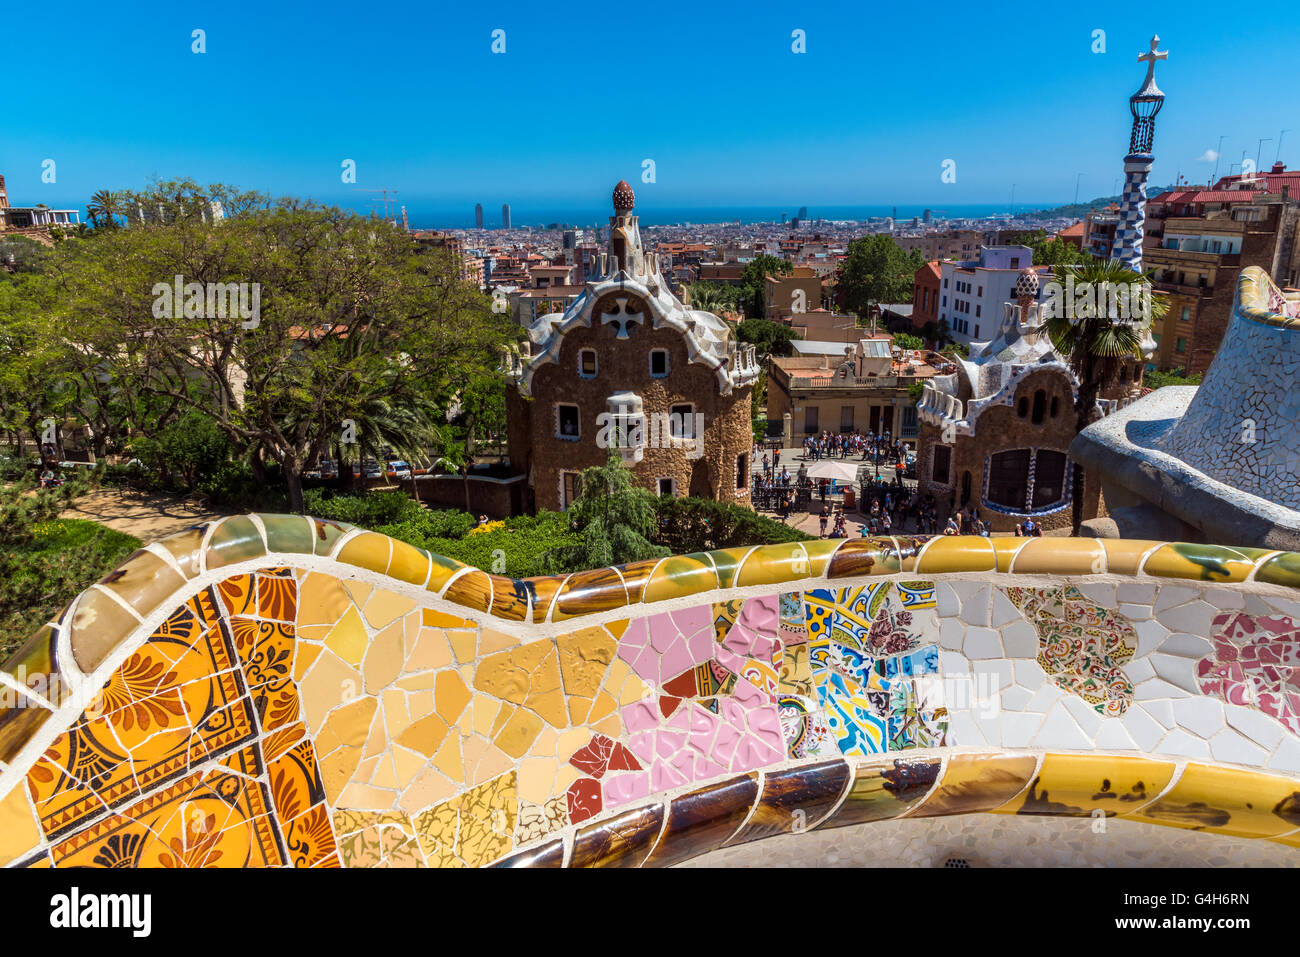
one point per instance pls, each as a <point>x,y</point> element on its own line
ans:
<point>1005,428</point>
<point>624,357</point>
<point>625,366</point>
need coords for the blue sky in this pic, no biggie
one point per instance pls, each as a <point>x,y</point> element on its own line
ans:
<point>585,91</point>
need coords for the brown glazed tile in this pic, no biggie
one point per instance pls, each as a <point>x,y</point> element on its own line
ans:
<point>909,549</point>
<point>978,782</point>
<point>97,625</point>
<point>544,855</point>
<point>857,556</point>
<point>509,598</point>
<point>144,581</point>
<point>621,841</point>
<point>699,821</point>
<point>471,590</point>
<point>885,790</point>
<point>543,591</point>
<point>585,592</point>
<point>635,575</point>
<point>795,800</point>
<point>35,666</point>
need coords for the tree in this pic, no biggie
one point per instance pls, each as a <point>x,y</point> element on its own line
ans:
<point>876,270</point>
<point>715,297</point>
<point>907,341</point>
<point>352,322</point>
<point>104,208</point>
<point>768,338</point>
<point>615,516</point>
<point>753,280</point>
<point>1097,342</point>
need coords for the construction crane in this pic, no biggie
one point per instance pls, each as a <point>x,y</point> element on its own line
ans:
<point>388,215</point>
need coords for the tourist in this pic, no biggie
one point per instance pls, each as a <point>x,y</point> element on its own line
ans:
<point>822,520</point>
<point>954,525</point>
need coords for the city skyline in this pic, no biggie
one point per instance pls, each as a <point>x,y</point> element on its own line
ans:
<point>766,127</point>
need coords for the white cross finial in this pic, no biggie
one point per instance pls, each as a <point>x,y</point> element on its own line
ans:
<point>1151,57</point>
<point>622,317</point>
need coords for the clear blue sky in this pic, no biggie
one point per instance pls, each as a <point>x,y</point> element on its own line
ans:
<point>585,91</point>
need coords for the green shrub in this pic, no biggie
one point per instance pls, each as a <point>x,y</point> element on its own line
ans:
<point>701,524</point>
<point>45,561</point>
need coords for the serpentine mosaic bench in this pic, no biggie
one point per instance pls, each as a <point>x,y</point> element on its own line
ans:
<point>275,690</point>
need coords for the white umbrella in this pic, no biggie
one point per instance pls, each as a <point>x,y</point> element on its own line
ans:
<point>840,471</point>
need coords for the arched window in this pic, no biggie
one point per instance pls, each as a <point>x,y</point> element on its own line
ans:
<point>1027,480</point>
<point>1040,406</point>
<point>1022,408</point>
<point>1055,407</point>
<point>1123,373</point>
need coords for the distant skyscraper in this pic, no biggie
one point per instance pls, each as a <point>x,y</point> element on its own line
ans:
<point>803,212</point>
<point>925,217</point>
<point>478,215</point>
<point>505,215</point>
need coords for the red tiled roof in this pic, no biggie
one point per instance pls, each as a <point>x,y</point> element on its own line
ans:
<point>1209,196</point>
<point>1075,230</point>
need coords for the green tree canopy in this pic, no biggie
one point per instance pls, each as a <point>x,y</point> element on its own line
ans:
<point>876,270</point>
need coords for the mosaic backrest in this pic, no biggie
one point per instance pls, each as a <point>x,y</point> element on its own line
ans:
<point>274,690</point>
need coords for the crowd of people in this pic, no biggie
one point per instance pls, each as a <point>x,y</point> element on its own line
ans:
<point>878,448</point>
<point>888,506</point>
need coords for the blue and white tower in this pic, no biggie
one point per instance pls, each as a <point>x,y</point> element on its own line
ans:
<point>1144,105</point>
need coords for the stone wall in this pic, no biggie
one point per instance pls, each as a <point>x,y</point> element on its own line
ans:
<point>1000,428</point>
<point>625,366</point>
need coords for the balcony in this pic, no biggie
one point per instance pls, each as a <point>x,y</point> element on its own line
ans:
<point>835,381</point>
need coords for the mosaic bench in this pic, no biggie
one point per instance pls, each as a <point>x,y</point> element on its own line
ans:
<point>274,690</point>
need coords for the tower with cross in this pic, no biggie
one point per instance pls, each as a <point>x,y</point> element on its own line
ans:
<point>1144,105</point>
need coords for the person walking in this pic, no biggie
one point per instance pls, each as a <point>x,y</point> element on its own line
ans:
<point>822,519</point>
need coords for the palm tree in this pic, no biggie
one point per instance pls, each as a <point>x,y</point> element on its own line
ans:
<point>1089,330</point>
<point>104,208</point>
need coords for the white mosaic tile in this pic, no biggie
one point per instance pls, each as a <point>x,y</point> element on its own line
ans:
<point>1171,596</point>
<point>1145,730</point>
<point>1230,747</point>
<point>1193,617</point>
<point>1202,716</point>
<point>982,643</point>
<point>1059,730</point>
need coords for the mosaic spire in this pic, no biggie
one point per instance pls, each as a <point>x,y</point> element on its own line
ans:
<point>1144,105</point>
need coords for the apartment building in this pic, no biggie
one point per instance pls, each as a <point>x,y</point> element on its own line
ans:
<point>1199,240</point>
<point>972,293</point>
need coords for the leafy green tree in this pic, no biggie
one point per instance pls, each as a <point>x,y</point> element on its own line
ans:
<point>753,279</point>
<point>1097,342</point>
<point>104,209</point>
<point>769,338</point>
<point>876,270</point>
<point>615,516</point>
<point>353,323</point>
<point>907,341</point>
<point>187,451</point>
<point>715,297</point>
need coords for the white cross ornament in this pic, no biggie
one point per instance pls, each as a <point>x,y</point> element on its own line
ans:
<point>622,317</point>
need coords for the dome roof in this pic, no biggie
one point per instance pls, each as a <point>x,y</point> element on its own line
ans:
<point>623,196</point>
<point>1027,283</point>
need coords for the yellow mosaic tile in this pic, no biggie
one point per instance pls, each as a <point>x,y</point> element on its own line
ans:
<point>956,553</point>
<point>1060,556</point>
<point>19,834</point>
<point>1235,801</point>
<point>1074,785</point>
<point>368,550</point>
<point>348,638</point>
